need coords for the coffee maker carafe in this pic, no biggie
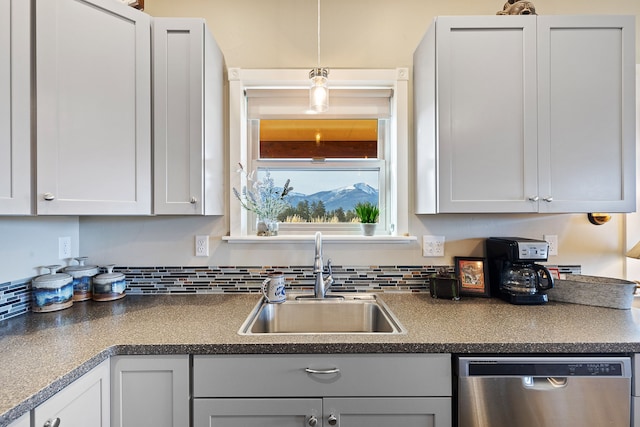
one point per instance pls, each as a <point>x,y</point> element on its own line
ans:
<point>513,274</point>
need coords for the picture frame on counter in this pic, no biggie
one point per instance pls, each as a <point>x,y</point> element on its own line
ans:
<point>473,274</point>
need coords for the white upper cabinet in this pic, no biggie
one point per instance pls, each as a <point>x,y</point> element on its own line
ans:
<point>188,141</point>
<point>93,84</point>
<point>525,114</point>
<point>586,113</point>
<point>15,108</point>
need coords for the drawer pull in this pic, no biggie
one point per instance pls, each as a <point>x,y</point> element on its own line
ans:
<point>332,420</point>
<point>322,371</point>
<point>52,423</point>
<point>312,421</point>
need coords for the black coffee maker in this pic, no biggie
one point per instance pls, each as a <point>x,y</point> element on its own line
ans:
<point>513,274</point>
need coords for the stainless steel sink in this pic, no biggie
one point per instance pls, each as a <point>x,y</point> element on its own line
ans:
<point>335,314</point>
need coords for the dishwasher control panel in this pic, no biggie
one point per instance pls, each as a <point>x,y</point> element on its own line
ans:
<point>535,369</point>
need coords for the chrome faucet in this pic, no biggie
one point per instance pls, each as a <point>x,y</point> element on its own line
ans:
<point>322,284</point>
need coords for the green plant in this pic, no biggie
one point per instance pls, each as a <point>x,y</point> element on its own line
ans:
<point>367,212</point>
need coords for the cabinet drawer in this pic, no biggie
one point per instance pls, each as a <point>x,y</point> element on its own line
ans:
<point>335,375</point>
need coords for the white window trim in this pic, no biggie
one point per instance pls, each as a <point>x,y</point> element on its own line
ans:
<point>242,79</point>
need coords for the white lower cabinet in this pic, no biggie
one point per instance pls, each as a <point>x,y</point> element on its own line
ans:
<point>635,392</point>
<point>150,391</point>
<point>346,412</point>
<point>404,390</point>
<point>83,403</point>
<point>291,412</point>
<point>23,421</point>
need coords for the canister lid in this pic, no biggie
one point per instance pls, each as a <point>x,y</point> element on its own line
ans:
<point>109,276</point>
<point>53,279</point>
<point>82,270</point>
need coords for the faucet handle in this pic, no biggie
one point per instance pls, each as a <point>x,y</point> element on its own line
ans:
<point>329,267</point>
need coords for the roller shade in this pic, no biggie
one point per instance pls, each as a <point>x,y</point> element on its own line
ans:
<point>343,103</point>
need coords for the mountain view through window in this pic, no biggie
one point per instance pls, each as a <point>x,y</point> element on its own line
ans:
<point>326,195</point>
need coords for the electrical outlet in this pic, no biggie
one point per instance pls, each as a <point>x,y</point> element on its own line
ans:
<point>432,246</point>
<point>64,247</point>
<point>202,246</point>
<point>552,240</point>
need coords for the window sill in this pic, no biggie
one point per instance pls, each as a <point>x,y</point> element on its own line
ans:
<point>325,238</point>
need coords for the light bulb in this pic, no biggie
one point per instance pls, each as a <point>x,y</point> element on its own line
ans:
<point>319,92</point>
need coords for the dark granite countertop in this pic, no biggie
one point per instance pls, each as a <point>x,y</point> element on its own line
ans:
<point>40,353</point>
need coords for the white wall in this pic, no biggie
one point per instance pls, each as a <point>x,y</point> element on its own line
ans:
<point>354,33</point>
<point>170,241</point>
<point>282,34</point>
<point>31,242</point>
<point>632,221</point>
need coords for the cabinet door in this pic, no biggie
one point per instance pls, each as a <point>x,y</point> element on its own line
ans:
<point>23,421</point>
<point>256,412</point>
<point>83,403</point>
<point>15,107</point>
<point>150,391</point>
<point>93,78</point>
<point>188,118</point>
<point>486,103</point>
<point>386,412</point>
<point>586,71</point>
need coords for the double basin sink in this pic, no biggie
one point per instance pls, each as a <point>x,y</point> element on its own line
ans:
<point>334,314</point>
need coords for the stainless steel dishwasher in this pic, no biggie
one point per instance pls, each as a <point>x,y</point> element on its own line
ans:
<point>544,391</point>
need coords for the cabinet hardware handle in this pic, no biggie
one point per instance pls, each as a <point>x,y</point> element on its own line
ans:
<point>313,421</point>
<point>548,199</point>
<point>533,198</point>
<point>48,197</point>
<point>332,420</point>
<point>52,423</point>
<point>322,371</point>
<point>193,200</point>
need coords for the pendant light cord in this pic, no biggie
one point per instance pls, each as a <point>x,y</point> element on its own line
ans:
<point>318,33</point>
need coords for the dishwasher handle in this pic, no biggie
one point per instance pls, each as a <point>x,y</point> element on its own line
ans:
<point>544,383</point>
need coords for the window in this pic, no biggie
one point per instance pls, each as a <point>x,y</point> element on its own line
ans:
<point>333,160</point>
<point>333,164</point>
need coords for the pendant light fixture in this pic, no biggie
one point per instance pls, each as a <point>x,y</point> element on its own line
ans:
<point>319,92</point>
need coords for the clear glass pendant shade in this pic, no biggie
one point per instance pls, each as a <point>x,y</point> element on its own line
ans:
<point>319,92</point>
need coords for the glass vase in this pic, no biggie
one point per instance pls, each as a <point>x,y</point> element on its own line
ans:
<point>267,227</point>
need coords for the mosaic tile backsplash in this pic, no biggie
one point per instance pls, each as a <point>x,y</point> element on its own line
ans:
<point>15,297</point>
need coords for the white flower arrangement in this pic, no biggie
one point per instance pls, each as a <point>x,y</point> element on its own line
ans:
<point>262,197</point>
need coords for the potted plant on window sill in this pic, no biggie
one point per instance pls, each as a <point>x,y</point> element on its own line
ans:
<point>368,214</point>
<point>264,199</point>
